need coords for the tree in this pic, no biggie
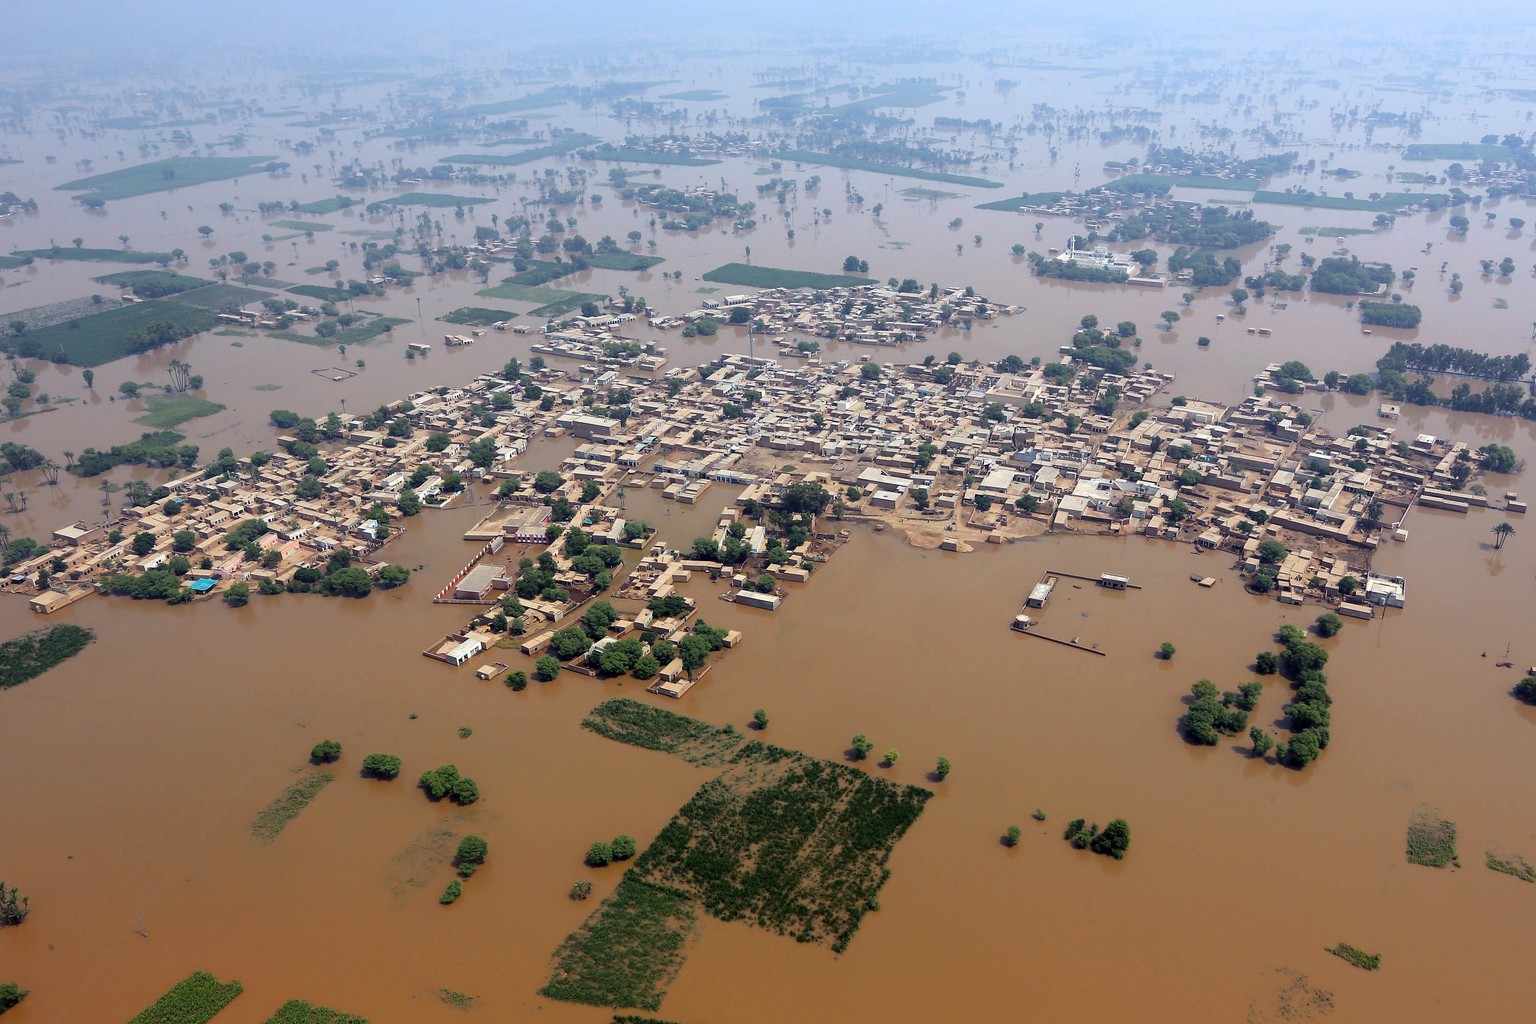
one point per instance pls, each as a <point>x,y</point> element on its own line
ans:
<point>143,544</point>
<point>471,854</point>
<point>1114,840</point>
<point>1328,624</point>
<point>1271,552</point>
<point>891,756</point>
<point>454,890</point>
<point>599,854</point>
<point>569,642</point>
<point>1166,650</point>
<point>1525,690</point>
<point>942,768</point>
<point>14,907</point>
<point>861,747</point>
<point>547,481</point>
<point>238,595</point>
<point>89,376</point>
<point>1501,533</point>
<point>392,576</point>
<point>546,669</point>
<point>325,752</point>
<point>1262,741</point>
<point>1265,663</point>
<point>1012,836</point>
<point>760,718</point>
<point>805,496</point>
<point>623,847</point>
<point>1169,318</point>
<point>10,995</point>
<point>381,766</point>
<point>1497,458</point>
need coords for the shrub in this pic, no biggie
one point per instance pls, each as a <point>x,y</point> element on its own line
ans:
<point>471,854</point>
<point>1328,624</point>
<point>581,890</point>
<point>1012,836</point>
<point>1166,650</point>
<point>518,681</point>
<point>453,892</point>
<point>10,995</point>
<point>1525,689</point>
<point>382,766</point>
<point>546,668</point>
<point>14,907</point>
<point>325,752</point>
<point>623,847</point>
<point>599,854</point>
<point>941,769</point>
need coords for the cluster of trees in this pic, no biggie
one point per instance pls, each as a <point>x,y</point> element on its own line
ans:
<point>1205,269</point>
<point>1405,356</point>
<point>325,752</point>
<point>1302,661</point>
<point>1212,712</point>
<point>1341,275</point>
<point>470,855</point>
<point>14,907</point>
<point>1074,271</point>
<point>446,781</point>
<point>1209,227</point>
<point>600,854</point>
<point>537,579</point>
<point>160,448</point>
<point>1113,841</point>
<point>381,766</point>
<point>158,333</point>
<point>1390,314</point>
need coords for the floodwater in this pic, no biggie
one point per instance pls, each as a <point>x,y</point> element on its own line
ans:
<point>134,770</point>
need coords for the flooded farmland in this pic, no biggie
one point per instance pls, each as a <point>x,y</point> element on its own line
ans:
<point>136,769</point>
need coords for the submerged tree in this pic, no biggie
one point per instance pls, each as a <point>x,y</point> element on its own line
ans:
<point>1501,533</point>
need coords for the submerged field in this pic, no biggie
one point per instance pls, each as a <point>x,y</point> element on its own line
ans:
<point>163,175</point>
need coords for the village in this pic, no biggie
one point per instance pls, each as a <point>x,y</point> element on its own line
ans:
<point>949,453</point>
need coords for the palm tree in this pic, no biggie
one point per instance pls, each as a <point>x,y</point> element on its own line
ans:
<point>1501,533</point>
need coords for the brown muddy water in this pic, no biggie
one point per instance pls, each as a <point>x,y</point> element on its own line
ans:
<point>135,770</point>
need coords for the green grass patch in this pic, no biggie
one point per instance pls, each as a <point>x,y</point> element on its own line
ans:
<point>319,292</point>
<point>624,261</point>
<point>275,817</point>
<point>362,333</point>
<point>1457,151</point>
<point>436,200</point>
<point>301,225</point>
<point>331,205</point>
<point>30,655</point>
<point>628,952</point>
<point>1214,182</point>
<point>540,272</point>
<point>1512,865</point>
<point>477,316</point>
<point>931,195</point>
<point>1359,957</point>
<point>85,255</point>
<point>1431,838</point>
<point>899,94</point>
<point>1387,203</point>
<point>195,999</point>
<point>551,97</point>
<point>103,337</point>
<point>773,277</point>
<point>220,297</point>
<point>695,95</point>
<point>1020,202</point>
<point>297,1011</point>
<point>856,164</point>
<point>1336,232</point>
<point>514,292</point>
<point>507,142</point>
<point>162,175</point>
<point>641,725</point>
<point>567,302</point>
<point>152,284</point>
<point>1412,177</point>
<point>564,144</point>
<point>169,411</point>
<point>13,262</point>
<point>629,154</point>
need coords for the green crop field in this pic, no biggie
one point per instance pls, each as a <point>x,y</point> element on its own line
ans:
<point>161,175</point>
<point>102,337</point>
<point>856,164</point>
<point>773,277</point>
<point>437,200</point>
<point>1386,204</point>
<point>1457,151</point>
<point>507,142</point>
<point>1335,232</point>
<point>551,97</point>
<point>301,225</point>
<point>901,94</point>
<point>510,290</point>
<point>12,262</point>
<point>331,205</point>
<point>275,817</point>
<point>168,411</point>
<point>152,284</point>
<point>84,255</point>
<point>30,655</point>
<point>564,144</point>
<point>1213,182</point>
<point>1019,202</point>
<point>477,316</point>
<point>624,261</point>
<point>297,1011</point>
<point>220,297</point>
<point>566,303</point>
<point>319,292</point>
<point>195,999</point>
<point>695,95</point>
<point>640,156</point>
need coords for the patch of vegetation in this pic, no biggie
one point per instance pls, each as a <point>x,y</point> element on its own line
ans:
<point>563,305</point>
<point>1390,314</point>
<point>152,284</point>
<point>168,411</point>
<point>103,337</point>
<point>1512,865</point>
<point>641,725</point>
<point>381,766</point>
<point>331,205</point>
<point>792,844</point>
<point>445,781</point>
<point>1457,151</point>
<point>623,261</point>
<point>1431,838</point>
<point>1336,232</point>
<point>628,952</point>
<point>457,1000</point>
<point>1113,841</point>
<point>1359,957</point>
<point>477,316</point>
<point>549,298</point>
<point>12,994</point>
<point>1386,204</point>
<point>275,817</point>
<point>83,255</point>
<point>297,1011</point>
<point>30,655</point>
<point>564,144</point>
<point>694,96</point>
<point>631,154</point>
<point>772,277</point>
<point>895,170</point>
<point>436,200</point>
<point>195,999</point>
<point>301,225</point>
<point>162,175</point>
<point>219,297</point>
<point>911,93</point>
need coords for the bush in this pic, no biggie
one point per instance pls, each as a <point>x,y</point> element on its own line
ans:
<point>10,995</point>
<point>1266,663</point>
<point>1166,650</point>
<point>471,852</point>
<point>1114,840</point>
<point>1525,689</point>
<point>546,668</point>
<point>599,854</point>
<point>1012,836</point>
<point>453,892</point>
<point>382,766</point>
<point>238,595</point>
<point>518,681</point>
<point>325,752</point>
<point>447,782</point>
<point>1328,624</point>
<point>623,847</point>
